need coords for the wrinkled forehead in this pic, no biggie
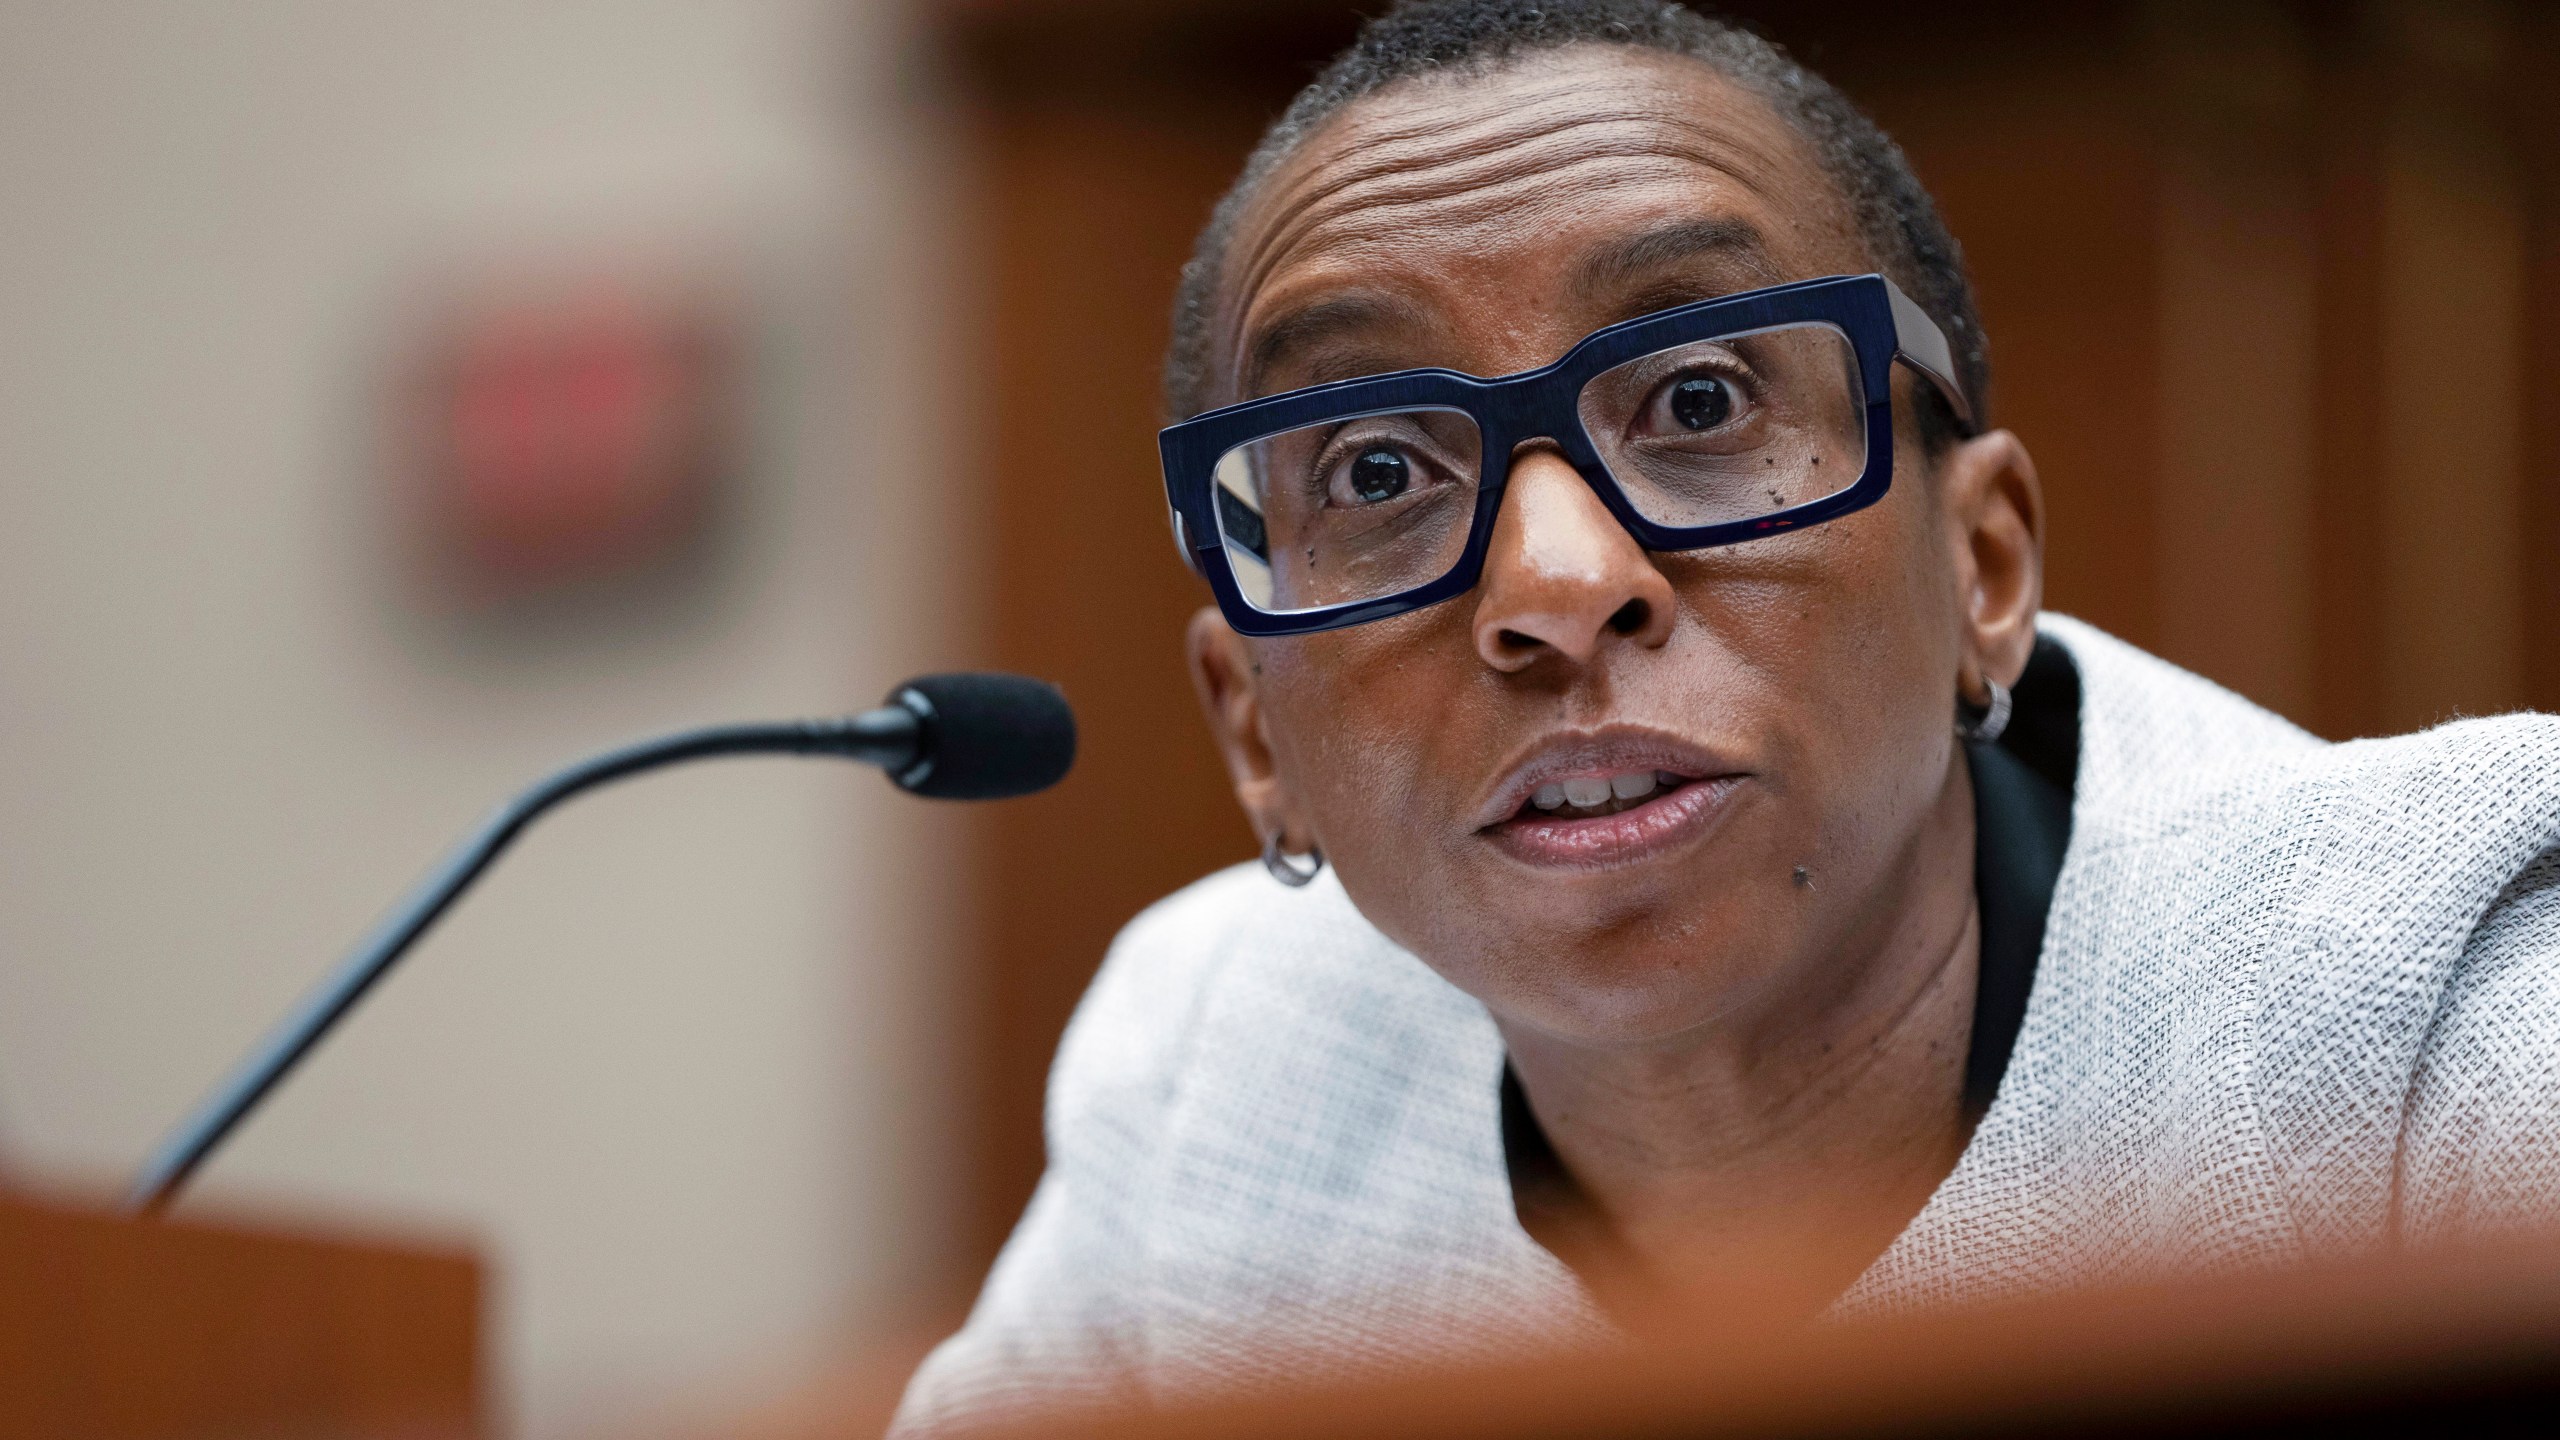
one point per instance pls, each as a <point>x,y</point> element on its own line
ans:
<point>1549,189</point>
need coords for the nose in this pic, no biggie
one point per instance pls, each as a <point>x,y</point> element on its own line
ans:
<point>1562,577</point>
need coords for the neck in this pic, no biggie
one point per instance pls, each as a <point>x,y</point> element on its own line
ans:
<point>1770,1156</point>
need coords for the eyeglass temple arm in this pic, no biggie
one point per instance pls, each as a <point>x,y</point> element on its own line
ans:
<point>1920,344</point>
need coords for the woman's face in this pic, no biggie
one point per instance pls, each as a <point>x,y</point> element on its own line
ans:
<point>1768,724</point>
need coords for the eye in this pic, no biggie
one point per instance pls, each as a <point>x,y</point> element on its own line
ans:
<point>1383,465</point>
<point>1702,402</point>
<point>1379,473</point>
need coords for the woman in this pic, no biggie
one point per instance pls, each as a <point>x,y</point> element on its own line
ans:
<point>1692,864</point>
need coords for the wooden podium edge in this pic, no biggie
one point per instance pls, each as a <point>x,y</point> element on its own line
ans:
<point>111,1326</point>
<point>2456,1335</point>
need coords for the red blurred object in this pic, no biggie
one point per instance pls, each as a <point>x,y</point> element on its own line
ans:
<point>572,438</point>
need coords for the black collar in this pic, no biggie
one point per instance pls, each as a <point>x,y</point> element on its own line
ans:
<point>2021,825</point>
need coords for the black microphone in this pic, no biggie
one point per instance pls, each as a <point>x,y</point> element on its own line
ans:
<point>951,737</point>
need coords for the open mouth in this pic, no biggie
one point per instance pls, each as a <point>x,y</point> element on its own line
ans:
<point>1620,795</point>
<point>1604,818</point>
<point>1589,797</point>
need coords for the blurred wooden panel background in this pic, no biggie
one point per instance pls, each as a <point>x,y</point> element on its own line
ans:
<point>2273,292</point>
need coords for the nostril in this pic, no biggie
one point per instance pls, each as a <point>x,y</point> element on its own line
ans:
<point>1631,617</point>
<point>1515,640</point>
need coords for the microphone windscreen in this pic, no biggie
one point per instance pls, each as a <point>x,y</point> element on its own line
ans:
<point>987,737</point>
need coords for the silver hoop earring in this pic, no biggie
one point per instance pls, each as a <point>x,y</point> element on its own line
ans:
<point>1287,871</point>
<point>1987,724</point>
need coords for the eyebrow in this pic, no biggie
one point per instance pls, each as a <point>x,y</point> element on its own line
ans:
<point>1633,259</point>
<point>1608,271</point>
<point>1309,324</point>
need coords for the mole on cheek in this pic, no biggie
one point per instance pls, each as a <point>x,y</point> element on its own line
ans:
<point>1804,878</point>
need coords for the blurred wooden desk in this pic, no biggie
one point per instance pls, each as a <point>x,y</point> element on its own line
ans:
<point>141,1329</point>
<point>2465,1344</point>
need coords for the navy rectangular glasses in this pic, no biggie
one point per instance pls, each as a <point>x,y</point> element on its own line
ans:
<point>1703,425</point>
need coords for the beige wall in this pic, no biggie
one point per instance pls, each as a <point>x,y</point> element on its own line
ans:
<point>671,1066</point>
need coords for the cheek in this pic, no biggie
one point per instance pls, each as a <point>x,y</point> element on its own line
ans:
<point>1861,669</point>
<point>1341,708</point>
<point>1379,734</point>
<point>1834,636</point>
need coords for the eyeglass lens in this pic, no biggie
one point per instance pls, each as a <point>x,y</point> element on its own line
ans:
<point>1364,507</point>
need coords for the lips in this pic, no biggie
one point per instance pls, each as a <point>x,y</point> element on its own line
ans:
<point>1607,798</point>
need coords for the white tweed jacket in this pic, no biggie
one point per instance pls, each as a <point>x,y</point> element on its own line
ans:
<point>2294,998</point>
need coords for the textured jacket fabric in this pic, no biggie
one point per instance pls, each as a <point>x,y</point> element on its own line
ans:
<point>2294,999</point>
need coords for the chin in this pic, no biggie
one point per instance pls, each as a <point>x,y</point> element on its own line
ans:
<point>1608,958</point>
<point>1605,992</point>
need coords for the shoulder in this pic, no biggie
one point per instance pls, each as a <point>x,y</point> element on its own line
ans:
<point>2483,1150</point>
<point>2331,888</point>
<point>1231,986</point>
<point>1262,1071</point>
<point>1196,1032</point>
<point>2163,750</point>
<point>2400,886</point>
<point>2261,941</point>
<point>1158,967</point>
<point>1169,966</point>
<point>2149,710</point>
<point>2168,756</point>
<point>1135,1027</point>
<point>2502,1013</point>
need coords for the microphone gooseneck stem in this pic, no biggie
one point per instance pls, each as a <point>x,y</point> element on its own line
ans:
<point>892,737</point>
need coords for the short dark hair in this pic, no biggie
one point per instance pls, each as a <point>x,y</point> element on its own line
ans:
<point>1896,219</point>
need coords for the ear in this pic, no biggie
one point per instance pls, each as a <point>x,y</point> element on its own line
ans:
<point>1994,510</point>
<point>1228,679</point>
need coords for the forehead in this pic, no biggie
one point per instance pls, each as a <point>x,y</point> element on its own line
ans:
<point>1527,188</point>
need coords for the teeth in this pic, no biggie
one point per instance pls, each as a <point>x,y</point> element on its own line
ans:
<point>1586,790</point>
<point>1628,787</point>
<point>1604,793</point>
